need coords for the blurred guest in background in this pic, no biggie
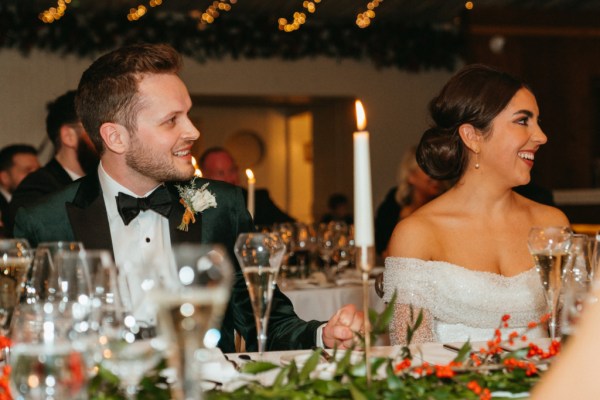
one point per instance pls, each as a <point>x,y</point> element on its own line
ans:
<point>463,258</point>
<point>74,157</point>
<point>218,164</point>
<point>339,209</point>
<point>16,162</point>
<point>414,189</point>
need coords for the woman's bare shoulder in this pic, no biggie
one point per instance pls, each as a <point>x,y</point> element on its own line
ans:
<point>413,237</point>
<point>544,215</point>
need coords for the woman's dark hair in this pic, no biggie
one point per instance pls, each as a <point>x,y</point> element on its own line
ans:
<point>474,95</point>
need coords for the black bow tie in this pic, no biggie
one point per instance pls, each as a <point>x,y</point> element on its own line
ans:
<point>129,207</point>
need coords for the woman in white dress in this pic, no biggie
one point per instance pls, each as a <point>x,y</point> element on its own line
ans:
<point>463,258</point>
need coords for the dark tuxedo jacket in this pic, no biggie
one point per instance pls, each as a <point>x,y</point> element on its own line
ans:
<point>4,216</point>
<point>78,213</point>
<point>48,179</point>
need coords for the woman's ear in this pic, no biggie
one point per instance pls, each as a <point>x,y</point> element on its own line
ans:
<point>115,137</point>
<point>471,137</point>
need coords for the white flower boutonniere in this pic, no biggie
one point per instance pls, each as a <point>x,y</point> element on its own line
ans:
<point>195,201</point>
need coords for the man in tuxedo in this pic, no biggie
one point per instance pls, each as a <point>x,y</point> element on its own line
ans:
<point>75,155</point>
<point>16,162</point>
<point>217,163</point>
<point>135,108</point>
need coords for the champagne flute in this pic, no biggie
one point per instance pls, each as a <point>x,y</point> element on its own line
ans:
<point>549,247</point>
<point>191,307</point>
<point>260,255</point>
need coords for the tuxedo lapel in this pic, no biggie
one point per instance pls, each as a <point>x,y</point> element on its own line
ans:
<point>87,215</point>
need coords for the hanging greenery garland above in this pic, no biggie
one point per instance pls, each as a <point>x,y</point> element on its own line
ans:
<point>388,45</point>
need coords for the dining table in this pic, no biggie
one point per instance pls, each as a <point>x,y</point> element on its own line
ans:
<point>225,367</point>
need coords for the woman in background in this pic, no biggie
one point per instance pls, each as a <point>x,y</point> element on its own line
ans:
<point>463,258</point>
<point>414,189</point>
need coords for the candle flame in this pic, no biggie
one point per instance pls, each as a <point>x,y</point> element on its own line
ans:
<point>197,171</point>
<point>250,174</point>
<point>361,118</point>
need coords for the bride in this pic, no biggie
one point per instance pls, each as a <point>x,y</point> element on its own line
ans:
<point>463,258</point>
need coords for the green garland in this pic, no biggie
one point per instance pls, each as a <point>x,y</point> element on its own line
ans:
<point>386,44</point>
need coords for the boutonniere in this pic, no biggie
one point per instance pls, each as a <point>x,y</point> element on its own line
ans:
<point>195,200</point>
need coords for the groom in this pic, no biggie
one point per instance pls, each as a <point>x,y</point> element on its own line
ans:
<point>135,109</point>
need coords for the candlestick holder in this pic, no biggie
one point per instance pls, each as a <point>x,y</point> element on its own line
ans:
<point>365,260</point>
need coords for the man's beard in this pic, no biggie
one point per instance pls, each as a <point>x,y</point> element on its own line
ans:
<point>87,157</point>
<point>142,159</point>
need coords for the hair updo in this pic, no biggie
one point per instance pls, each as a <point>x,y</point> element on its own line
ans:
<point>474,95</point>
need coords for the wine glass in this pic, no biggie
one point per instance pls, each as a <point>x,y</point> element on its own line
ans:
<point>48,355</point>
<point>42,279</point>
<point>549,247</point>
<point>191,307</point>
<point>260,255</point>
<point>130,343</point>
<point>576,282</point>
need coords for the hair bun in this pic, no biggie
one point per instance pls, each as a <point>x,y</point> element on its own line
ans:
<point>440,154</point>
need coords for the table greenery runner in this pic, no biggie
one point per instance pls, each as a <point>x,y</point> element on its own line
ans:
<point>473,374</point>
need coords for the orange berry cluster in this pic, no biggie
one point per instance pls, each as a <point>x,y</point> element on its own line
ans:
<point>484,394</point>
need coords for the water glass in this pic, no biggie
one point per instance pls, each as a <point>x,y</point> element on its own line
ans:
<point>191,308</point>
<point>48,356</point>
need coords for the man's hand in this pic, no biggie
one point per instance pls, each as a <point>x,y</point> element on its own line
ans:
<point>341,327</point>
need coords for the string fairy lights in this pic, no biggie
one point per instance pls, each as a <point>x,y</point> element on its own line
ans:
<point>364,18</point>
<point>212,12</point>
<point>299,17</point>
<point>54,13</point>
<point>141,10</point>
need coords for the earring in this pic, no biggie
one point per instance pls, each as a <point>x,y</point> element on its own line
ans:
<point>477,160</point>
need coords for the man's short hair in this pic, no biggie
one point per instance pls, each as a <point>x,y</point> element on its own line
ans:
<point>61,111</point>
<point>108,89</point>
<point>8,153</point>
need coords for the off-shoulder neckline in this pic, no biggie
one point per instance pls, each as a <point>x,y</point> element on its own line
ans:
<point>449,264</point>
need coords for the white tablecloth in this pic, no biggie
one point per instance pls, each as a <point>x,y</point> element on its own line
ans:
<point>322,303</point>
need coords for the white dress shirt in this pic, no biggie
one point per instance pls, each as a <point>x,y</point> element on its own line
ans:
<point>142,249</point>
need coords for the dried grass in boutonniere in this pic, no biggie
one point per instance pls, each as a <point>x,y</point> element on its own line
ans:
<point>195,201</point>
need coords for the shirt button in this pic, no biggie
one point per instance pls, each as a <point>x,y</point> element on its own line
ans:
<point>147,240</point>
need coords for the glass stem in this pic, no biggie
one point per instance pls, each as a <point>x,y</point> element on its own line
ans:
<point>261,334</point>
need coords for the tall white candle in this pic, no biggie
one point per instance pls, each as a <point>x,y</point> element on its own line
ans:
<point>251,182</point>
<point>363,199</point>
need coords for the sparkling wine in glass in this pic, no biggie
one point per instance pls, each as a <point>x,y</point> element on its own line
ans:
<point>549,247</point>
<point>191,307</point>
<point>15,258</point>
<point>260,255</point>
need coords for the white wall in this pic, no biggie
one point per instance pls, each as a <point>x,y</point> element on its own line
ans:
<point>395,101</point>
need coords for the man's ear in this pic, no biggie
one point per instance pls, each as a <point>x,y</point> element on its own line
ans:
<point>68,136</point>
<point>471,137</point>
<point>115,137</point>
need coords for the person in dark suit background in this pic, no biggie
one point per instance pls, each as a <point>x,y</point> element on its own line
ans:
<point>217,163</point>
<point>16,162</point>
<point>74,156</point>
<point>135,108</point>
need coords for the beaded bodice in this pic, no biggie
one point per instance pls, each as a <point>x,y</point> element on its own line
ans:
<point>464,302</point>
